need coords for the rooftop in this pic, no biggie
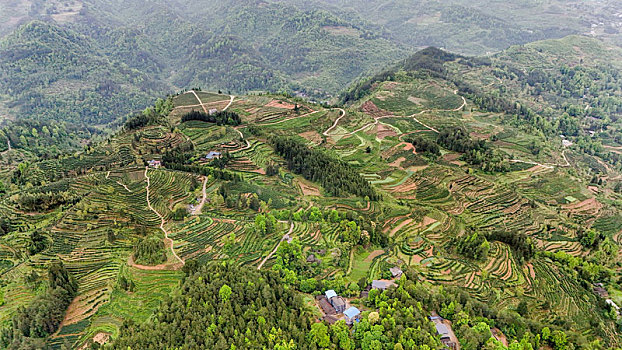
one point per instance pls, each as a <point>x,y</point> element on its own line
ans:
<point>352,312</point>
<point>441,328</point>
<point>395,271</point>
<point>330,293</point>
<point>338,301</point>
<point>381,284</point>
<point>212,154</point>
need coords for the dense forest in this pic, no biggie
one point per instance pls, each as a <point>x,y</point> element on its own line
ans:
<point>220,117</point>
<point>337,177</point>
<point>224,307</point>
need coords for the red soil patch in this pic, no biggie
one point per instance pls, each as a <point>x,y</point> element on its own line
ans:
<point>384,131</point>
<point>532,271</point>
<point>427,221</point>
<point>391,85</point>
<point>312,136</point>
<point>280,104</point>
<point>589,205</point>
<point>396,163</point>
<point>480,136</point>
<point>400,226</point>
<point>496,332</point>
<point>371,109</point>
<point>374,254</point>
<point>308,190</point>
<point>450,157</point>
<point>408,186</point>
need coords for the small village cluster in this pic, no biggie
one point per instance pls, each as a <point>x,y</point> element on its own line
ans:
<point>336,308</point>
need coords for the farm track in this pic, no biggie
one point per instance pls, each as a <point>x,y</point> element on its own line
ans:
<point>290,118</point>
<point>199,207</point>
<point>343,114</point>
<point>285,236</point>
<point>168,240</point>
<point>545,165</point>
<point>377,119</point>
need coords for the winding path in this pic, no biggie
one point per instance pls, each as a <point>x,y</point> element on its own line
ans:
<point>377,119</point>
<point>545,165</point>
<point>8,149</point>
<point>343,114</point>
<point>231,98</point>
<point>285,236</point>
<point>230,102</point>
<point>163,221</point>
<point>199,207</point>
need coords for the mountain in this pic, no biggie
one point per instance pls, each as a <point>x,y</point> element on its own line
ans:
<point>315,48</point>
<point>451,168</point>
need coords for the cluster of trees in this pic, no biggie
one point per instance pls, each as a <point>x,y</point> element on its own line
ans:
<point>6,226</point>
<point>37,243</point>
<point>43,201</point>
<point>476,152</point>
<point>150,251</point>
<point>473,245</point>
<point>265,224</point>
<point>221,306</point>
<point>232,198</point>
<point>423,145</point>
<point>220,117</point>
<point>522,245</point>
<point>45,138</point>
<point>126,284</point>
<point>44,314</point>
<point>224,307</point>
<point>221,174</point>
<point>337,177</point>
<point>354,228</point>
<point>151,115</point>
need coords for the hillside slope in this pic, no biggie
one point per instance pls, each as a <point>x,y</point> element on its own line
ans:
<point>451,168</point>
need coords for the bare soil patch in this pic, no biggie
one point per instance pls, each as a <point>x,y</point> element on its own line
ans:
<point>417,100</point>
<point>309,190</point>
<point>400,226</point>
<point>396,163</point>
<point>373,255</point>
<point>383,131</point>
<point>280,104</point>
<point>312,136</point>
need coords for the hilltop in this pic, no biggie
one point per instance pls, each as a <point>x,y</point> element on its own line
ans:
<point>450,167</point>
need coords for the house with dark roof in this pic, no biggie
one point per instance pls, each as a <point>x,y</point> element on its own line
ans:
<point>335,300</point>
<point>381,284</point>
<point>325,305</point>
<point>338,303</point>
<point>599,289</point>
<point>330,319</point>
<point>444,331</point>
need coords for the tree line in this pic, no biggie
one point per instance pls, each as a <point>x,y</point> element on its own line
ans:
<point>337,177</point>
<point>44,314</point>
<point>220,118</point>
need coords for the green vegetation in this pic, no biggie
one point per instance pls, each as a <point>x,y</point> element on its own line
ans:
<point>150,251</point>
<point>444,166</point>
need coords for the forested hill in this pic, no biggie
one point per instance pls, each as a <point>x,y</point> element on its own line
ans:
<point>122,51</point>
<point>55,74</point>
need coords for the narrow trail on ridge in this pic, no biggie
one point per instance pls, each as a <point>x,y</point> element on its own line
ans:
<point>285,236</point>
<point>163,221</point>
